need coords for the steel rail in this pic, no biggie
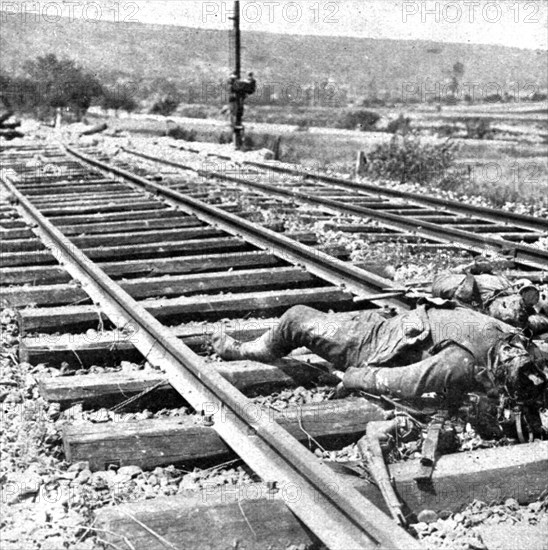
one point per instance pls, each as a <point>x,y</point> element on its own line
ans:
<point>483,212</point>
<point>330,506</point>
<point>525,255</point>
<point>364,284</point>
<point>519,220</point>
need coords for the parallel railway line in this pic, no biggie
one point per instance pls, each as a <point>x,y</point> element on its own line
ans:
<point>92,245</point>
<point>477,229</point>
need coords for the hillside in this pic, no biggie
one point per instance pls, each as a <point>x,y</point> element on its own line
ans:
<point>193,57</point>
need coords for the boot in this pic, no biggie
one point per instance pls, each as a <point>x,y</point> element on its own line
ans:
<point>233,350</point>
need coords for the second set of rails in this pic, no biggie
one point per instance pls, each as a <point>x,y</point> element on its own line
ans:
<point>91,245</point>
<point>403,215</point>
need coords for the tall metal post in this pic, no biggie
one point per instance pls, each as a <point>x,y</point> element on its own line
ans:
<point>237,122</point>
<point>237,40</point>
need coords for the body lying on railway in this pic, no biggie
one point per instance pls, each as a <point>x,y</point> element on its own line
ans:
<point>447,350</point>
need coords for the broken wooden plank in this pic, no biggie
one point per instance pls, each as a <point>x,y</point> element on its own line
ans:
<point>150,443</point>
<point>54,318</point>
<point>250,279</point>
<point>107,390</point>
<point>223,517</point>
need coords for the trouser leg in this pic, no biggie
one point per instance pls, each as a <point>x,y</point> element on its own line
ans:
<point>449,373</point>
<point>334,337</point>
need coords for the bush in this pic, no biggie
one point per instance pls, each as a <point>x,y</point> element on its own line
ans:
<point>197,111</point>
<point>478,128</point>
<point>401,125</point>
<point>538,96</point>
<point>362,120</point>
<point>119,98</point>
<point>447,130</point>
<point>494,98</point>
<point>406,159</point>
<point>179,132</point>
<point>165,107</point>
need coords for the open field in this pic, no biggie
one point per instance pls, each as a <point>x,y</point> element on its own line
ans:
<point>511,168</point>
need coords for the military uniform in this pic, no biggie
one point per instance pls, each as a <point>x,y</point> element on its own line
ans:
<point>521,304</point>
<point>439,350</point>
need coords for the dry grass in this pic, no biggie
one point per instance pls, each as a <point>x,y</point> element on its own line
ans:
<point>500,171</point>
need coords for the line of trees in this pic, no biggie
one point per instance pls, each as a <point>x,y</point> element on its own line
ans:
<point>48,83</point>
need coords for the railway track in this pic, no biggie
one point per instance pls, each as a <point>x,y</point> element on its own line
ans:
<point>406,215</point>
<point>47,233</point>
<point>102,262</point>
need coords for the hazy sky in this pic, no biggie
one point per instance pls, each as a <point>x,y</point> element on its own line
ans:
<point>520,23</point>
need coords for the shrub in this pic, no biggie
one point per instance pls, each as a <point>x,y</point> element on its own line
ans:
<point>225,137</point>
<point>118,98</point>
<point>478,128</point>
<point>197,111</point>
<point>303,125</point>
<point>179,132</point>
<point>406,159</point>
<point>447,130</point>
<point>494,98</point>
<point>165,106</point>
<point>538,96</point>
<point>363,120</point>
<point>400,125</point>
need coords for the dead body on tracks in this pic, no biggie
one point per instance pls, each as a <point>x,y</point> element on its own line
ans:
<point>478,367</point>
<point>449,351</point>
